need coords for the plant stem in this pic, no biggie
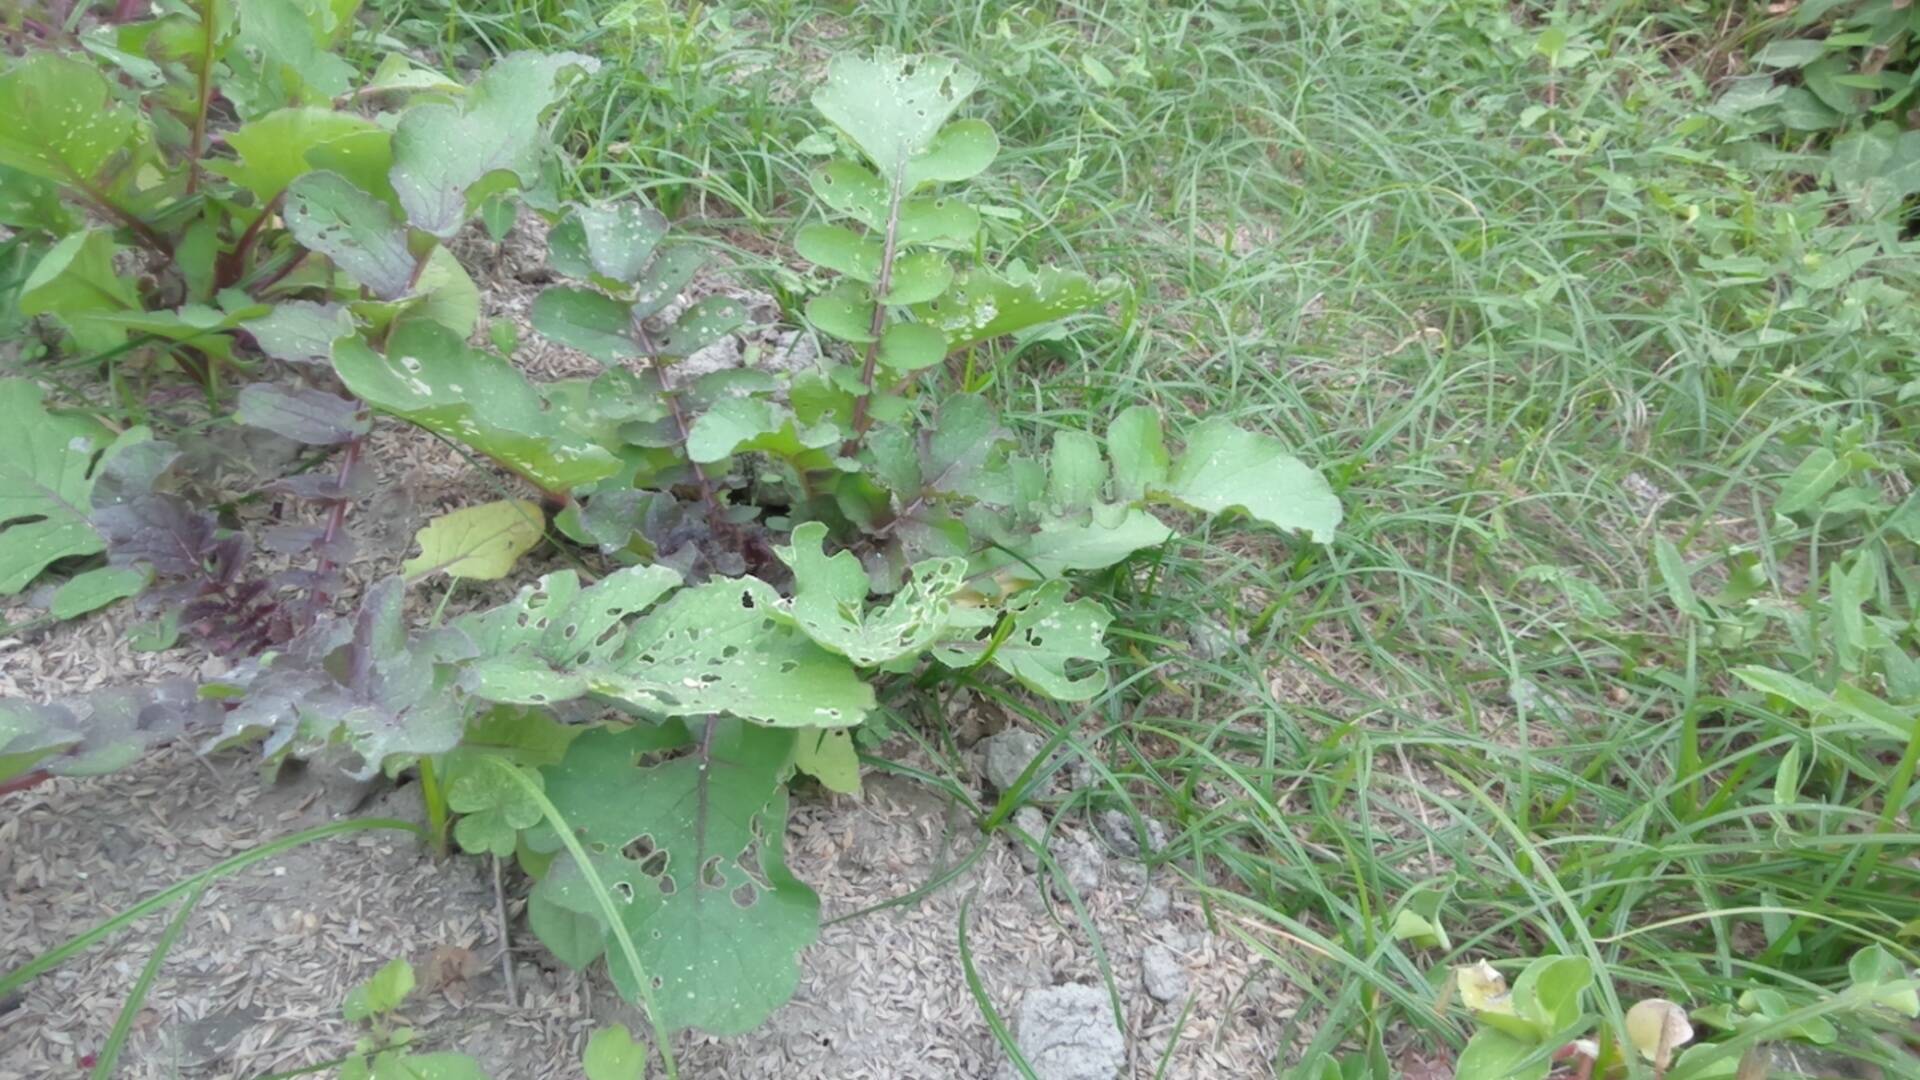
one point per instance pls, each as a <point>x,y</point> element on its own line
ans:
<point>148,234</point>
<point>337,513</point>
<point>198,141</point>
<point>715,519</point>
<point>436,804</point>
<point>234,265</point>
<point>862,413</point>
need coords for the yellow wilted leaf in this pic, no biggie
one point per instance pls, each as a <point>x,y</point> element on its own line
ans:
<point>478,542</point>
<point>1657,1027</point>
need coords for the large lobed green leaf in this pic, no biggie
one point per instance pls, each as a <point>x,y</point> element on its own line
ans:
<point>830,602</point>
<point>692,850</point>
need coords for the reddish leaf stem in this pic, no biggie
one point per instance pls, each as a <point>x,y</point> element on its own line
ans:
<point>862,415</point>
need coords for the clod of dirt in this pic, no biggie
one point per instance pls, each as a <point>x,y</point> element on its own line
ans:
<point>1116,828</point>
<point>1068,1033</point>
<point>1155,904</point>
<point>1163,973</point>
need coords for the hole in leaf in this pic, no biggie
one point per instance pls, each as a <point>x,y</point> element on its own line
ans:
<point>711,875</point>
<point>745,895</point>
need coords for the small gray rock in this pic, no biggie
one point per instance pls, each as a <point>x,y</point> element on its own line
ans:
<point>1163,973</point>
<point>1212,641</point>
<point>1080,859</point>
<point>1007,756</point>
<point>1067,1033</point>
<point>1155,904</point>
<point>1116,828</point>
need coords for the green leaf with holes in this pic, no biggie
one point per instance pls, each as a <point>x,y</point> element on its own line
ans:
<point>48,464</point>
<point>328,214</point>
<point>830,601</point>
<point>722,647</point>
<point>1055,647</point>
<point>984,304</point>
<point>433,378</point>
<point>587,320</point>
<point>1224,468</point>
<point>692,849</point>
<point>853,190</point>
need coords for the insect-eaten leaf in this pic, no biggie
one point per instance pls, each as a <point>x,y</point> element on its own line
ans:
<point>478,543</point>
<point>727,646</point>
<point>328,214</point>
<point>613,240</point>
<point>693,857</point>
<point>830,601</point>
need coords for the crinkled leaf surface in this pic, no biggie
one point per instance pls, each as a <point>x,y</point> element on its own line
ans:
<point>984,304</point>
<point>48,464</point>
<point>364,681</point>
<point>892,106</point>
<point>1059,545</point>
<point>443,152</point>
<point>433,378</point>
<point>100,732</point>
<point>478,543</point>
<point>62,121</point>
<point>328,214</point>
<point>830,601</point>
<point>1225,468</point>
<point>692,849</point>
